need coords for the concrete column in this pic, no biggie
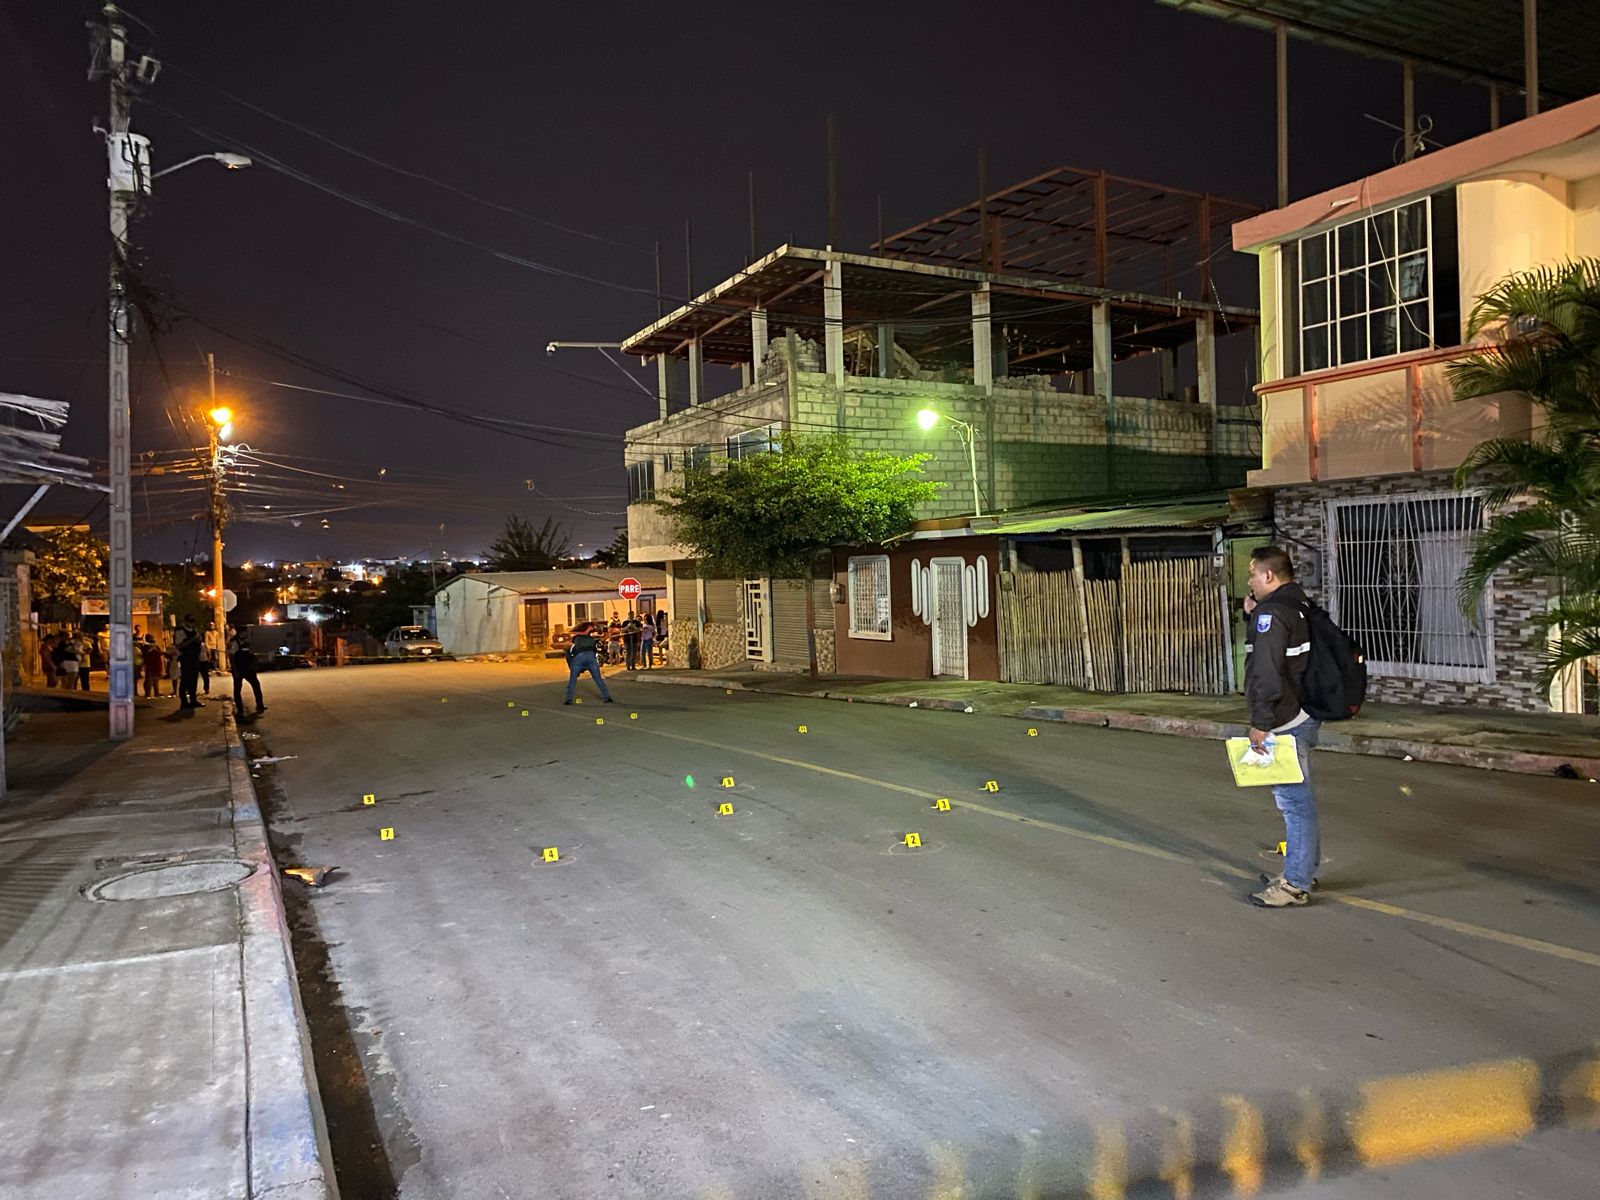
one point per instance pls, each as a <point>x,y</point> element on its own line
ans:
<point>758,342</point>
<point>696,372</point>
<point>746,375</point>
<point>1167,374</point>
<point>982,341</point>
<point>1102,351</point>
<point>833,322</point>
<point>663,382</point>
<point>1205,356</point>
<point>885,351</point>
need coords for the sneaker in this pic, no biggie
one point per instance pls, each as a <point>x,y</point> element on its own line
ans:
<point>1280,893</point>
<point>609,700</point>
<point>1279,878</point>
<point>566,702</point>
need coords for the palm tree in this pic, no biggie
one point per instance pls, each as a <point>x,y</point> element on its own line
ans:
<point>1543,328</point>
<point>521,547</point>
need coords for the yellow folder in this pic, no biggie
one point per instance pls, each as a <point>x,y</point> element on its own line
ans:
<point>1284,768</point>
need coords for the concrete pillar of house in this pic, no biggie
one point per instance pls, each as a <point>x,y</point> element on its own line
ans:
<point>1167,374</point>
<point>982,340</point>
<point>833,322</point>
<point>885,351</point>
<point>663,382</point>
<point>696,372</point>
<point>1101,328</point>
<point>1205,354</point>
<point>758,343</point>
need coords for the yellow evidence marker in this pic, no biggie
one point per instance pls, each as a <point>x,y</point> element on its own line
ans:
<point>727,781</point>
<point>577,700</point>
<point>724,810</point>
<point>991,785</point>
<point>1032,732</point>
<point>524,712</point>
<point>730,692</point>
<point>913,840</point>
<point>444,699</point>
<point>1282,850</point>
<point>599,720</point>
<point>551,854</point>
<point>511,703</point>
<point>633,716</point>
<point>369,798</point>
<point>386,834</point>
<point>941,805</point>
<point>801,729</point>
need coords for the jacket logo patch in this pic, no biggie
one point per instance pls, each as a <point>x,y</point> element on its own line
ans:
<point>1263,622</point>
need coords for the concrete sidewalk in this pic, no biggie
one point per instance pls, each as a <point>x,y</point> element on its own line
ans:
<point>1525,743</point>
<point>153,1044</point>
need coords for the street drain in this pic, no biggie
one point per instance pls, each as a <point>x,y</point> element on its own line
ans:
<point>171,879</point>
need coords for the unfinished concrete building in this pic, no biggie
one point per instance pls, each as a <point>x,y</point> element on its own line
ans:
<point>1022,318</point>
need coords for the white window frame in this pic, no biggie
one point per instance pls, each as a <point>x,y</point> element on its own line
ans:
<point>1336,269</point>
<point>886,601</point>
<point>1408,670</point>
<point>762,439</point>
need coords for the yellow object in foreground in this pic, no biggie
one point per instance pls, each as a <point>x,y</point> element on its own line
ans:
<point>551,854</point>
<point>386,834</point>
<point>1284,768</point>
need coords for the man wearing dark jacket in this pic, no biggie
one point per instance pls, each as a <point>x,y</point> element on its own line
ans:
<point>242,662</point>
<point>1277,649</point>
<point>189,650</point>
<point>583,655</point>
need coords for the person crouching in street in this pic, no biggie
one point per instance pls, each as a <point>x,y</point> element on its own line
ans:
<point>1277,650</point>
<point>242,662</point>
<point>584,655</point>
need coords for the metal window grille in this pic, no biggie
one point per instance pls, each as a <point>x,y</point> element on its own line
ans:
<point>641,481</point>
<point>1394,565</point>
<point>868,584</point>
<point>753,441</point>
<point>1365,287</point>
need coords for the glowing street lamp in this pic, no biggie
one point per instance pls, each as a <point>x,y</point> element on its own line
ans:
<point>927,418</point>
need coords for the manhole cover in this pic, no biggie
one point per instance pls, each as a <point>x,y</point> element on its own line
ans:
<point>176,879</point>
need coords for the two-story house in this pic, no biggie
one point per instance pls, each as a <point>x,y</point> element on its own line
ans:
<point>1012,318</point>
<point>1365,290</point>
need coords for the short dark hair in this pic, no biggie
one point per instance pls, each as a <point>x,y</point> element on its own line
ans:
<point>1274,559</point>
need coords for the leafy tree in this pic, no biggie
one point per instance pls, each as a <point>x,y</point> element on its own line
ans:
<point>614,555</point>
<point>772,514</point>
<point>391,606</point>
<point>1544,343</point>
<point>521,547</point>
<point>181,590</point>
<point>71,563</point>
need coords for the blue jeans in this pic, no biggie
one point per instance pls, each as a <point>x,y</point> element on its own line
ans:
<point>577,665</point>
<point>1298,805</point>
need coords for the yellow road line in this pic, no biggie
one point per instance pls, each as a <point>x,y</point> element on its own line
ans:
<point>1466,929</point>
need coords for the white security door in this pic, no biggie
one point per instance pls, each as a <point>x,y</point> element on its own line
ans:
<point>757,629</point>
<point>949,617</point>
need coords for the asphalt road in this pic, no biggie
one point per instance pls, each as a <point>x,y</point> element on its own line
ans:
<point>789,1001</point>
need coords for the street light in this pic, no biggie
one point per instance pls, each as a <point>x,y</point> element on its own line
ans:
<point>927,418</point>
<point>234,162</point>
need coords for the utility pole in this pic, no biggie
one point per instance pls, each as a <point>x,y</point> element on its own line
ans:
<point>120,669</point>
<point>219,511</point>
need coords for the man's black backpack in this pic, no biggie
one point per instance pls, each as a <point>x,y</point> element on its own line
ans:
<point>1335,684</point>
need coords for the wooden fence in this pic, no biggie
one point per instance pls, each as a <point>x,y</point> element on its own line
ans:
<point>1159,628</point>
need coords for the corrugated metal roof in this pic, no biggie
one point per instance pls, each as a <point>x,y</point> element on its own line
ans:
<point>1468,39</point>
<point>1196,515</point>
<point>595,579</point>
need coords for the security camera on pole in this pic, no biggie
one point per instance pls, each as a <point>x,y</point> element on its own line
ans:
<point>129,177</point>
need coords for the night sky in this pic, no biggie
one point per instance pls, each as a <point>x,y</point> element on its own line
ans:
<point>615,121</point>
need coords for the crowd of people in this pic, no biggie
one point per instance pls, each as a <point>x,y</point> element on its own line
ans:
<point>185,660</point>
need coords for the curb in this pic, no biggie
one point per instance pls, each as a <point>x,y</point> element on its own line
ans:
<point>1511,761</point>
<point>286,1134</point>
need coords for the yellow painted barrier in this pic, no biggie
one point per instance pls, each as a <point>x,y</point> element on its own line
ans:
<point>1444,1112</point>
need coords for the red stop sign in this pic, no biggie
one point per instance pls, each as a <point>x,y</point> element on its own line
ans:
<point>629,589</point>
